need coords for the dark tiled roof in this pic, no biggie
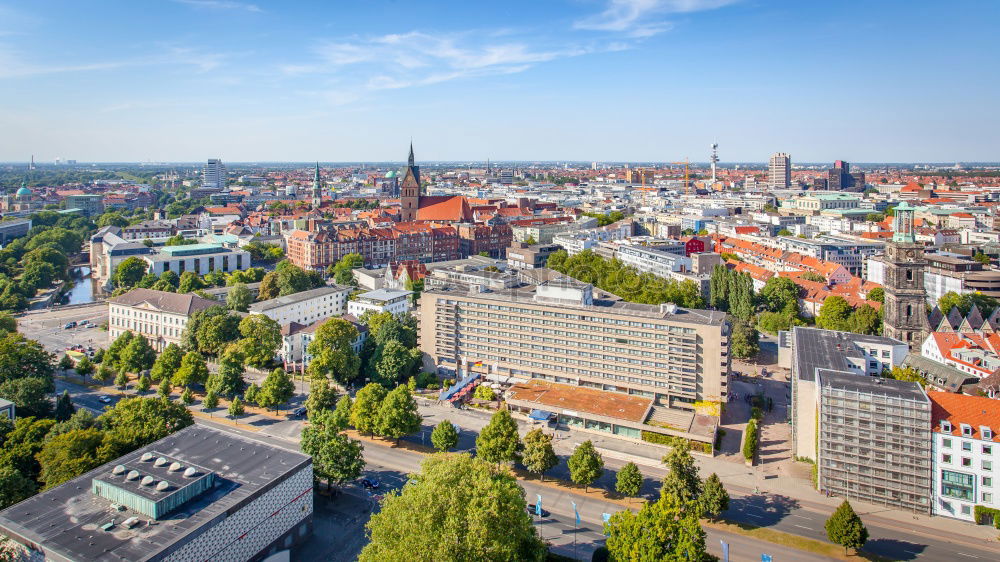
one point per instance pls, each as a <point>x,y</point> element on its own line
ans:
<point>163,301</point>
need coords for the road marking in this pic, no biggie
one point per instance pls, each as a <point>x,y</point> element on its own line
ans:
<point>754,515</point>
<point>969,555</point>
<point>802,527</point>
<point>911,552</point>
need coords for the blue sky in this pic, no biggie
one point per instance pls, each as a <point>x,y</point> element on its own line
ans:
<point>185,80</point>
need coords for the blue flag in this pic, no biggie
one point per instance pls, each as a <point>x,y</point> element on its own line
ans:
<point>765,558</point>
<point>538,505</point>
<point>725,551</point>
<point>577,513</point>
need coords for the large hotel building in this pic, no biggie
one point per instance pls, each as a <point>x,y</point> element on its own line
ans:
<point>559,331</point>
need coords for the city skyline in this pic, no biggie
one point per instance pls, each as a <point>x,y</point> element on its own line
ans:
<point>601,80</point>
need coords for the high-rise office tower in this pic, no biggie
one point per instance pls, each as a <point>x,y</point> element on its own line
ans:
<point>839,176</point>
<point>213,175</point>
<point>779,171</point>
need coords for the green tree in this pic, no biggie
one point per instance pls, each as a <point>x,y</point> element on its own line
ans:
<point>7,323</point>
<point>965,301</point>
<point>392,362</point>
<point>445,436</point>
<point>743,340</point>
<point>171,278</point>
<point>778,293</point>
<point>784,232</point>
<point>865,320</point>
<point>714,497</point>
<point>64,407</point>
<point>217,330</point>
<point>69,455</point>
<point>834,314</point>
<point>21,357</point>
<point>750,440</point>
<point>236,408</point>
<point>454,513</point>
<point>498,442</point>
<point>228,381</point>
<point>585,465</point>
<point>484,392</point>
<point>65,363</point>
<point>336,458</point>
<point>190,282</point>
<point>14,487</point>
<point>84,367</point>
<point>906,374</point>
<point>114,353</point>
<point>193,370</point>
<point>143,384</point>
<point>662,530</point>
<point>629,480</point>
<point>167,363</point>
<point>30,395</point>
<point>276,389</point>
<point>164,389</point>
<point>187,397</point>
<point>211,400</point>
<point>845,528</point>
<point>105,374</point>
<point>134,422</point>
<point>682,478</point>
<point>250,395</point>
<point>982,258</point>
<point>366,407</point>
<point>121,379</point>
<point>538,453</point>
<point>322,398</point>
<point>128,273</point>
<point>239,298</point>
<point>341,417</point>
<point>137,356</point>
<point>333,352</point>
<point>398,414</point>
<point>261,339</point>
<point>876,295</point>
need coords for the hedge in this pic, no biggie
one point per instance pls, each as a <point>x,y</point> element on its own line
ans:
<point>982,513</point>
<point>750,442</point>
<point>673,441</point>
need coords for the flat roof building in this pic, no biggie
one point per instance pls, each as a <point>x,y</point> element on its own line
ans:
<point>198,494</point>
<point>563,331</point>
<point>874,440</point>
<point>305,307</point>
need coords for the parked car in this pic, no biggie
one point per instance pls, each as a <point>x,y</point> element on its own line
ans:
<point>69,326</point>
<point>104,399</point>
<point>531,510</point>
<point>299,412</point>
<point>370,483</point>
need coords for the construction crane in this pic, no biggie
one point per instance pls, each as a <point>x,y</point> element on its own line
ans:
<point>687,184</point>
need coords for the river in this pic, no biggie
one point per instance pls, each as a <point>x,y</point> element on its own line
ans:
<point>83,291</point>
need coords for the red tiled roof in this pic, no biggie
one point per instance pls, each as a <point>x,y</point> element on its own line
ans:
<point>444,208</point>
<point>976,411</point>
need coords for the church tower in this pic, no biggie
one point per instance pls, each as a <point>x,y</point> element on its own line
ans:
<point>317,191</point>
<point>904,309</point>
<point>409,190</point>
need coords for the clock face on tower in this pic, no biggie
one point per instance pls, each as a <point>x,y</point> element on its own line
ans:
<point>909,253</point>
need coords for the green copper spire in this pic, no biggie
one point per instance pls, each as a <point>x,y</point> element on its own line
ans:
<point>902,224</point>
<point>316,177</point>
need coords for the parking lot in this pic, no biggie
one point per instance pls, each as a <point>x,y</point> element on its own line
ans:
<point>48,327</point>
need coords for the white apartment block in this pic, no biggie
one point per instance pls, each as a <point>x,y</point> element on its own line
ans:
<point>305,308</point>
<point>396,301</point>
<point>295,340</point>
<point>966,454</point>
<point>158,315</point>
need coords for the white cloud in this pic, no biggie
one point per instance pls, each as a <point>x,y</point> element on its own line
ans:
<point>221,5</point>
<point>14,64</point>
<point>412,59</point>
<point>643,18</point>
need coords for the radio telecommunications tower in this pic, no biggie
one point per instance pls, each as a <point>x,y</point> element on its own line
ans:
<point>715,158</point>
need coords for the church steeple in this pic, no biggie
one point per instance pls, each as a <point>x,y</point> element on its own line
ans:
<point>409,189</point>
<point>317,191</point>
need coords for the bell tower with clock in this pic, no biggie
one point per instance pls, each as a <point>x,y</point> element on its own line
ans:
<point>904,309</point>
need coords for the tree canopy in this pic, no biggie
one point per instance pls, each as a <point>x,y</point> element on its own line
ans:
<point>455,511</point>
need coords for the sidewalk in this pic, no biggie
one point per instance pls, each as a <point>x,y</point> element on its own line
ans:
<point>788,478</point>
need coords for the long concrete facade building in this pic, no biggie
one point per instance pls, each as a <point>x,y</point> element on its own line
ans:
<point>559,331</point>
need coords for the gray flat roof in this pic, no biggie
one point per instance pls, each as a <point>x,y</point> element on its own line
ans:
<point>826,349</point>
<point>66,520</point>
<point>286,300</point>
<point>384,294</point>
<point>872,385</point>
